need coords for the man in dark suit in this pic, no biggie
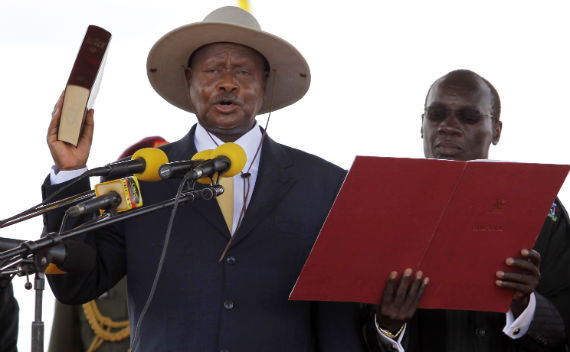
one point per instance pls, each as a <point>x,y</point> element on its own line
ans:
<point>8,317</point>
<point>460,122</point>
<point>227,268</point>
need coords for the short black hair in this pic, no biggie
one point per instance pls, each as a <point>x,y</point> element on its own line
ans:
<point>496,108</point>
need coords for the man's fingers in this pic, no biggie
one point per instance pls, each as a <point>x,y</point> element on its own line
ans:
<point>420,292</point>
<point>86,137</point>
<point>409,303</point>
<point>531,255</point>
<point>402,290</point>
<point>388,293</point>
<point>519,287</point>
<point>55,116</point>
<point>524,265</point>
<point>524,278</point>
<point>58,105</point>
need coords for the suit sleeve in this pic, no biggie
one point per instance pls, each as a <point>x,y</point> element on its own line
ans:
<point>9,311</point>
<point>375,343</point>
<point>549,329</point>
<point>74,288</point>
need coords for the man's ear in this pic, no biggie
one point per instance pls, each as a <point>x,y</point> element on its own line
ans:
<point>422,128</point>
<point>497,128</point>
<point>188,75</point>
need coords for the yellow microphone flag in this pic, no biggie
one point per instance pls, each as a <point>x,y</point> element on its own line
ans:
<point>244,4</point>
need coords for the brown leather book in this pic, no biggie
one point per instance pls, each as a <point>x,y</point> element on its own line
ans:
<point>83,83</point>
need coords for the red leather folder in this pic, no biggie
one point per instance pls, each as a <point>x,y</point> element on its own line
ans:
<point>456,221</point>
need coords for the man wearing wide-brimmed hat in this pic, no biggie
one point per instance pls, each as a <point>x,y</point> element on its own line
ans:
<point>230,265</point>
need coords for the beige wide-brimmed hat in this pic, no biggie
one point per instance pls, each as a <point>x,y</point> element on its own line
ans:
<point>169,56</point>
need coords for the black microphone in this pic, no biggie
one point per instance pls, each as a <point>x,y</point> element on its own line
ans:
<point>144,164</point>
<point>227,159</point>
<point>209,167</point>
<point>177,169</point>
<point>70,256</point>
<point>119,168</point>
<point>105,202</point>
<point>121,194</point>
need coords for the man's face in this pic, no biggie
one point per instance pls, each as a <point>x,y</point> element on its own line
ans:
<point>457,123</point>
<point>227,85</point>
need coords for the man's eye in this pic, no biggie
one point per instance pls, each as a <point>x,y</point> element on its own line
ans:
<point>470,116</point>
<point>210,70</point>
<point>436,114</point>
<point>244,72</point>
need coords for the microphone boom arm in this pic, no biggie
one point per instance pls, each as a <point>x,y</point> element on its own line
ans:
<point>52,239</point>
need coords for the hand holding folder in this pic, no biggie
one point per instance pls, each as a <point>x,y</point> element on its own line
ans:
<point>456,221</point>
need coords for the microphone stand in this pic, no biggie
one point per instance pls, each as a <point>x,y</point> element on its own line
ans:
<point>37,263</point>
<point>44,208</point>
<point>30,256</point>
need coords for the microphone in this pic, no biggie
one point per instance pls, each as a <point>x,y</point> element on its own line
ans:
<point>144,165</point>
<point>69,256</point>
<point>227,159</point>
<point>177,169</point>
<point>121,194</point>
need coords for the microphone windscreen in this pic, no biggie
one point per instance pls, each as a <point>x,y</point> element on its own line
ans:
<point>237,157</point>
<point>153,158</point>
<point>204,155</point>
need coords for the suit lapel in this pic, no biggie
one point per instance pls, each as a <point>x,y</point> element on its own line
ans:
<point>184,149</point>
<point>272,184</point>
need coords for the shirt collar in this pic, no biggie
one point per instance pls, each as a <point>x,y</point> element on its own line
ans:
<point>249,142</point>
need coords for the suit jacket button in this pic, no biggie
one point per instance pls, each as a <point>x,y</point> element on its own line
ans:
<point>480,332</point>
<point>224,350</point>
<point>231,260</point>
<point>228,305</point>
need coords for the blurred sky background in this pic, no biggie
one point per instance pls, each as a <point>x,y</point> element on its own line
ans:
<point>372,63</point>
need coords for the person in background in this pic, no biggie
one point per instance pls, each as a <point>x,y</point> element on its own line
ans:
<point>460,122</point>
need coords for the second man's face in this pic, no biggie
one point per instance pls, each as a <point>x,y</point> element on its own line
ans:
<point>227,86</point>
<point>458,123</point>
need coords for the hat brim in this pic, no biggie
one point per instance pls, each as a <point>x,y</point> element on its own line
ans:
<point>289,77</point>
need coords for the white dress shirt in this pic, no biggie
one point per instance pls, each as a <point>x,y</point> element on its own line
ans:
<point>249,142</point>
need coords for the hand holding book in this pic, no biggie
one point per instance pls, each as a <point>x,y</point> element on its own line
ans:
<point>400,299</point>
<point>523,281</point>
<point>67,156</point>
<point>83,83</point>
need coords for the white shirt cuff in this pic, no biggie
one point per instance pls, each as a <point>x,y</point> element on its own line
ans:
<point>396,344</point>
<point>517,328</point>
<point>56,177</point>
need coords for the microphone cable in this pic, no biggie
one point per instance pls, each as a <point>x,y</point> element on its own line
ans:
<point>160,262</point>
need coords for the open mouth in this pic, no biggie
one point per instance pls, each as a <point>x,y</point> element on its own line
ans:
<point>226,106</point>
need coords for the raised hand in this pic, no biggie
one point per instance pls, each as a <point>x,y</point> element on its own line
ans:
<point>67,156</point>
<point>398,305</point>
<point>524,281</point>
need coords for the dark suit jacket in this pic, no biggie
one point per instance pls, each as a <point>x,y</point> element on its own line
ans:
<point>242,303</point>
<point>8,317</point>
<point>465,331</point>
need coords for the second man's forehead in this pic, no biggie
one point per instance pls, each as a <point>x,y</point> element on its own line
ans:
<point>465,93</point>
<point>220,51</point>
